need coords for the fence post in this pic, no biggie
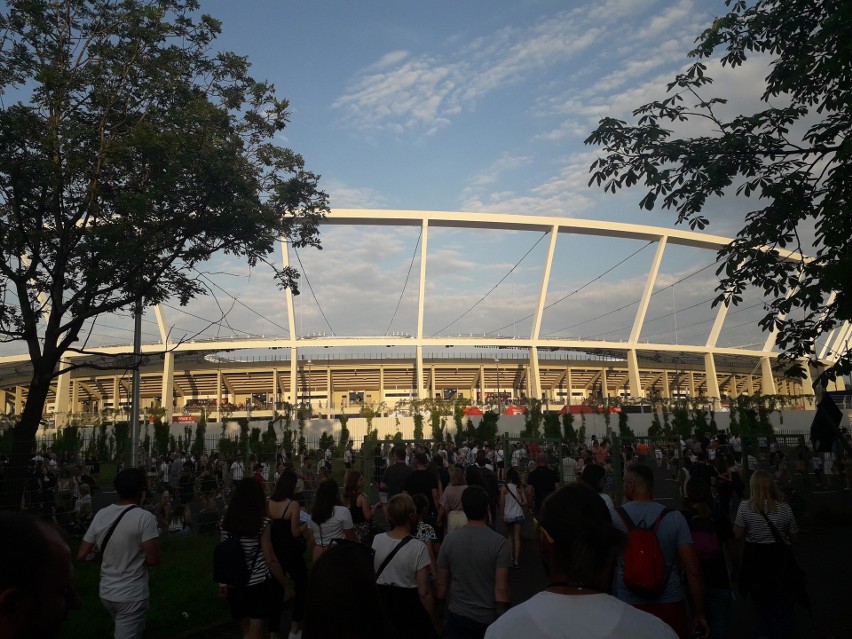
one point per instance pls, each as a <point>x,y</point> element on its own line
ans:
<point>617,469</point>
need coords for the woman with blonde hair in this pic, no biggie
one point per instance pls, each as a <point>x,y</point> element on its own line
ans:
<point>450,513</point>
<point>769,528</point>
<point>403,566</point>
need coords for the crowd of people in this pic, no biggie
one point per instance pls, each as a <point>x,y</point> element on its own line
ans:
<point>440,567</point>
<point>428,558</point>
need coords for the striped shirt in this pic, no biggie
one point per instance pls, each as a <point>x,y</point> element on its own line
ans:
<point>758,531</point>
<point>253,554</point>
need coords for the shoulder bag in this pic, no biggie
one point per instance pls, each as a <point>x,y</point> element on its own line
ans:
<point>798,586</point>
<point>393,552</point>
<point>97,555</point>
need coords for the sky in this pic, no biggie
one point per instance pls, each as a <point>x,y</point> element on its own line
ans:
<point>469,106</point>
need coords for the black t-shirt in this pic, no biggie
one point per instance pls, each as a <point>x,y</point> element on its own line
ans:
<point>396,476</point>
<point>543,480</point>
<point>704,472</point>
<point>422,482</point>
<point>489,478</point>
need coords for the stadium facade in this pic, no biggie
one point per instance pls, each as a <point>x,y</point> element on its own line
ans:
<point>255,374</point>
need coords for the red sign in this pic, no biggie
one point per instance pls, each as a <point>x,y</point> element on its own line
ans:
<point>183,418</point>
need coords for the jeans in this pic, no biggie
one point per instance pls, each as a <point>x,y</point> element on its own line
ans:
<point>717,609</point>
<point>129,617</point>
<point>459,627</point>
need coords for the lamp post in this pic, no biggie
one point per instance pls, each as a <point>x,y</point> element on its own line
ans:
<point>677,378</point>
<point>499,394</point>
<point>310,405</point>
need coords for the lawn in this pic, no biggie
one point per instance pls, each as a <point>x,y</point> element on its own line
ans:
<point>183,595</point>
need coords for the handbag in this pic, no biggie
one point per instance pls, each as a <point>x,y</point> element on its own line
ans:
<point>97,554</point>
<point>798,586</point>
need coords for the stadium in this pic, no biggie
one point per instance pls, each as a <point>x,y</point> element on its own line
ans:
<point>637,299</point>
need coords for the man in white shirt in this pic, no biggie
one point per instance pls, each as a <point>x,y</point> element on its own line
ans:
<point>517,455</point>
<point>127,538</point>
<point>569,469</point>
<point>237,470</point>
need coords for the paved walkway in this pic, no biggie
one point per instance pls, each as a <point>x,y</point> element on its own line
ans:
<point>825,553</point>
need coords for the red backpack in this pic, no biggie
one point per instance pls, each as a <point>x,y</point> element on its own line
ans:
<point>645,571</point>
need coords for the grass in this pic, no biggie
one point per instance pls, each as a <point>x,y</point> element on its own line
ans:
<point>182,583</point>
<point>107,476</point>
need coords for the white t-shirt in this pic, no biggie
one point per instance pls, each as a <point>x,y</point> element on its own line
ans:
<point>403,567</point>
<point>512,503</point>
<point>124,573</point>
<point>552,616</point>
<point>569,469</point>
<point>341,519</point>
<point>237,470</point>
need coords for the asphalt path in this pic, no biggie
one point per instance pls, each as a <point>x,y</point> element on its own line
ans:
<point>825,553</point>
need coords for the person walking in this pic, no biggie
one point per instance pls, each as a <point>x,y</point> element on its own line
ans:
<point>512,505</point>
<point>473,567</point>
<point>578,545</point>
<point>769,529</point>
<point>396,474</point>
<point>329,520</point>
<point>675,542</point>
<point>246,520</point>
<point>541,481</point>
<point>126,536</point>
<point>288,543</point>
<point>403,567</point>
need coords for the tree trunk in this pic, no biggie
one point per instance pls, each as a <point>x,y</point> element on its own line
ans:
<point>23,437</point>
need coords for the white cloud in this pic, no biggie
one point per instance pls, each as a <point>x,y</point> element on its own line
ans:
<point>390,59</point>
<point>403,91</point>
<point>491,175</point>
<point>343,196</point>
<point>563,194</point>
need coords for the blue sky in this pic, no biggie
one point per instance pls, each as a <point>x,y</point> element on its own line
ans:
<point>461,105</point>
<point>468,106</point>
<point>478,106</point>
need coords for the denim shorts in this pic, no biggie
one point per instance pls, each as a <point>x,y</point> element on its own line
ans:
<point>515,520</point>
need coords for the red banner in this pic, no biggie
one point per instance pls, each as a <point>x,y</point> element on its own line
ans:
<point>183,418</point>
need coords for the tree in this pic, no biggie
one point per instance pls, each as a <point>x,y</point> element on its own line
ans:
<point>418,426</point>
<point>198,444</point>
<point>487,429</point>
<point>794,156</point>
<point>552,428</point>
<point>533,417</point>
<point>343,440</point>
<point>624,430</point>
<point>130,154</point>
<point>568,433</point>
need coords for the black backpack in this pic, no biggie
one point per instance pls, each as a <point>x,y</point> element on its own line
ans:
<point>229,562</point>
